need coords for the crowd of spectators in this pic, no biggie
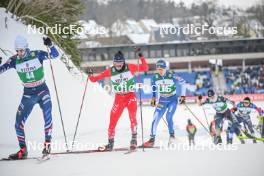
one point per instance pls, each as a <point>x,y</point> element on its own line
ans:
<point>250,80</point>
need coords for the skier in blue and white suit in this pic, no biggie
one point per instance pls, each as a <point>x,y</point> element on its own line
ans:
<point>29,67</point>
<point>164,83</point>
<point>243,110</point>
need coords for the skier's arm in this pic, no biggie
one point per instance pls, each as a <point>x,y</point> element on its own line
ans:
<point>235,107</point>
<point>43,55</point>
<point>9,64</point>
<point>206,101</point>
<point>53,52</point>
<point>154,92</point>
<point>229,101</point>
<point>154,88</point>
<point>104,74</point>
<point>143,67</point>
<point>258,109</point>
<point>182,83</point>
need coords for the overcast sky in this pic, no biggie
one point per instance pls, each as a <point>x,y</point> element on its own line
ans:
<point>240,3</point>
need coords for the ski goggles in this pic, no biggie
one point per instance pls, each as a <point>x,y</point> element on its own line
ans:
<point>160,66</point>
<point>246,103</point>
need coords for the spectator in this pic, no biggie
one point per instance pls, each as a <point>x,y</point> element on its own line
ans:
<point>191,130</point>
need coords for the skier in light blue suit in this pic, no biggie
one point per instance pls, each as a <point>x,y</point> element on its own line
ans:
<point>164,83</point>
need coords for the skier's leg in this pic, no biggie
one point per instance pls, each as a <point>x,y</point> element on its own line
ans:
<point>24,109</point>
<point>46,107</point>
<point>159,112</point>
<point>230,133</point>
<point>115,114</point>
<point>132,111</point>
<point>218,128</point>
<point>169,116</point>
<point>249,125</point>
<point>235,125</point>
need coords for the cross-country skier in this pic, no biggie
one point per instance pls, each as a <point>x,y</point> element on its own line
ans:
<point>220,104</point>
<point>191,130</point>
<point>243,110</point>
<point>122,76</point>
<point>29,67</point>
<point>164,82</point>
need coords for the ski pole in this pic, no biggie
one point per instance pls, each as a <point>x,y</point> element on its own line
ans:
<point>197,118</point>
<point>206,118</point>
<point>164,121</point>
<point>140,103</point>
<point>80,112</point>
<point>58,101</point>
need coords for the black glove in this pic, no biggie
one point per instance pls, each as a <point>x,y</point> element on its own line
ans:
<point>90,72</point>
<point>47,41</point>
<point>234,109</point>
<point>153,102</point>
<point>182,99</point>
<point>200,97</point>
<point>137,50</point>
<point>1,60</point>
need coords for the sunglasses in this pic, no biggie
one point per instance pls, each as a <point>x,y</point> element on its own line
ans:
<point>246,102</point>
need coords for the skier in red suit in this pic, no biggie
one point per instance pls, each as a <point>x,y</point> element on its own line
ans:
<point>122,77</point>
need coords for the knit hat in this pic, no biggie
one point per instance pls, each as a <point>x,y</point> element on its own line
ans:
<point>20,43</point>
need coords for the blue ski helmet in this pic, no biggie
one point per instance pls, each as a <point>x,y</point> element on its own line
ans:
<point>210,93</point>
<point>119,57</point>
<point>161,64</point>
<point>246,100</point>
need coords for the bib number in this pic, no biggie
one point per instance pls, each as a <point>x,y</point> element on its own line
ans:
<point>30,75</point>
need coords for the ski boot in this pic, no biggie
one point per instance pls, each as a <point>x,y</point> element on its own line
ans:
<point>171,139</point>
<point>133,142</point>
<point>229,141</point>
<point>108,147</point>
<point>150,143</point>
<point>46,150</point>
<point>242,141</point>
<point>217,140</point>
<point>21,154</point>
